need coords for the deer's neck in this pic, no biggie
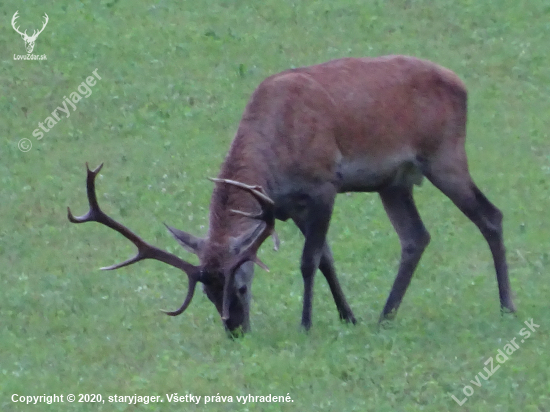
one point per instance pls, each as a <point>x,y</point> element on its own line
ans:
<point>246,163</point>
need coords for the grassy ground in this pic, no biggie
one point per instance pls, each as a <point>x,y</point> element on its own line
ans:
<point>175,77</point>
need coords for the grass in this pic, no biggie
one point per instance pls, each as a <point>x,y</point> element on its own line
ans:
<point>175,77</point>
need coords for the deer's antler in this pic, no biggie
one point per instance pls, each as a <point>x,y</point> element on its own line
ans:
<point>145,250</point>
<point>267,204</point>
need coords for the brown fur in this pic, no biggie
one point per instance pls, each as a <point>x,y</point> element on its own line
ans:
<point>301,122</point>
<point>352,124</point>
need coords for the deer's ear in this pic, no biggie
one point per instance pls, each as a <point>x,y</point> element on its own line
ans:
<point>242,243</point>
<point>189,242</point>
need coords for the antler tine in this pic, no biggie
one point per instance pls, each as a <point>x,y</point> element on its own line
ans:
<point>257,216</point>
<point>92,198</point>
<point>187,301</point>
<point>267,204</point>
<point>276,241</point>
<point>145,250</point>
<point>257,191</point>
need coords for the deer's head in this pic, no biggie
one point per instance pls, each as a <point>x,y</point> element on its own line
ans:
<point>29,40</point>
<point>226,265</point>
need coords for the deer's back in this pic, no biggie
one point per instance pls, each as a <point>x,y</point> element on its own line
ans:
<point>358,121</point>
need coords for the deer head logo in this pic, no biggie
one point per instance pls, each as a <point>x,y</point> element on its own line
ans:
<point>29,40</point>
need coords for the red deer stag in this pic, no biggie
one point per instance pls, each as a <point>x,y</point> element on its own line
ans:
<point>348,125</point>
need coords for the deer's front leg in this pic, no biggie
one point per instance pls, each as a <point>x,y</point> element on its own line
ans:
<point>326,265</point>
<point>314,222</point>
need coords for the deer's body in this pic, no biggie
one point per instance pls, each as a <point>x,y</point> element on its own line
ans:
<point>360,124</point>
<point>366,125</point>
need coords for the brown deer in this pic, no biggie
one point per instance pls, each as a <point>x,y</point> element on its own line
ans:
<point>348,125</point>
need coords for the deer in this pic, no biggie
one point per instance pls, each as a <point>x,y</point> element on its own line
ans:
<point>372,124</point>
<point>29,40</point>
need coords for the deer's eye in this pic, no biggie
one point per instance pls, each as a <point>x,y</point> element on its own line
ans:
<point>243,289</point>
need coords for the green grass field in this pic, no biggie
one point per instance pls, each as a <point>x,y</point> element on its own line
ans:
<point>175,77</point>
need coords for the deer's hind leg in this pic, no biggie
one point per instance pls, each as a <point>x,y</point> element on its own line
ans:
<point>413,236</point>
<point>450,175</point>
